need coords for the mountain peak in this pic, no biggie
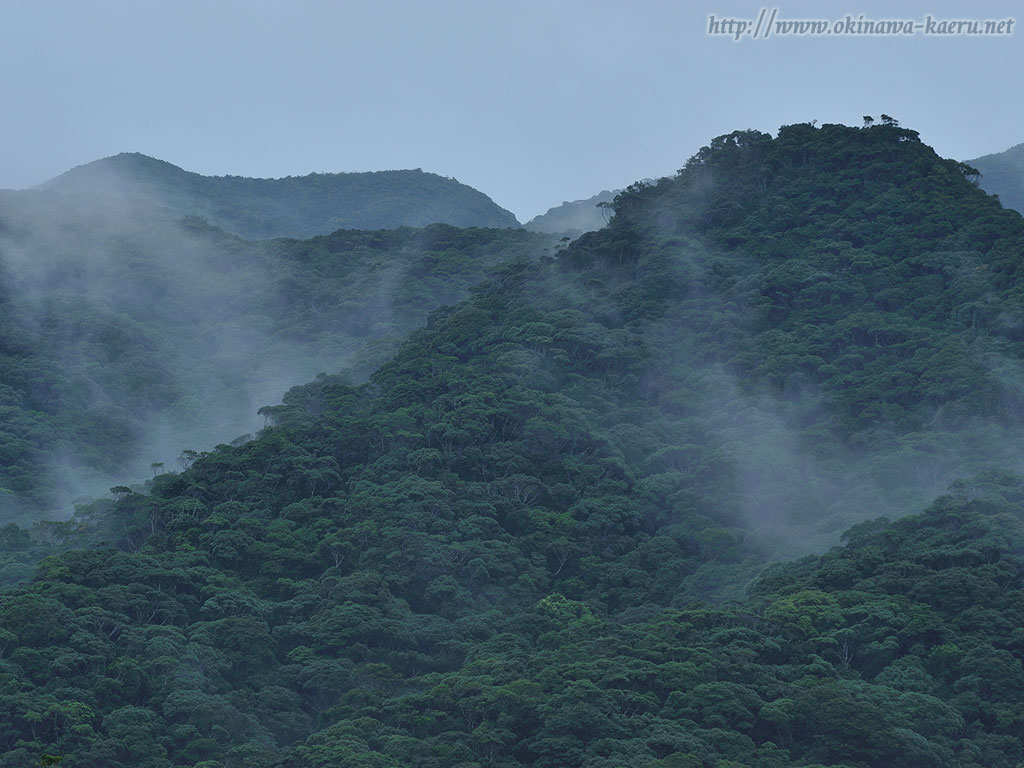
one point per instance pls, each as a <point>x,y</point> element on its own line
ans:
<point>134,165</point>
<point>294,206</point>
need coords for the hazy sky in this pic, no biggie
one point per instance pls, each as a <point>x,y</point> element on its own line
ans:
<point>531,101</point>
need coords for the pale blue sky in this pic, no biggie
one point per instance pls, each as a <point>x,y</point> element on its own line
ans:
<point>531,101</point>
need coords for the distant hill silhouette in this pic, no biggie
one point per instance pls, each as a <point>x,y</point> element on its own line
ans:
<point>573,218</point>
<point>295,206</point>
<point>1003,174</point>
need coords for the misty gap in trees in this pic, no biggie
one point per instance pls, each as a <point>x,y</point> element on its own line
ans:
<point>732,481</point>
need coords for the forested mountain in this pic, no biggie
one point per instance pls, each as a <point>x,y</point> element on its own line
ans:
<point>1003,174</point>
<point>127,336</point>
<point>574,218</point>
<point>542,532</point>
<point>296,206</point>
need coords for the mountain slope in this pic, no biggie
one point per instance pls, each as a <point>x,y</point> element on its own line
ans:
<point>298,207</point>
<point>126,337</point>
<point>1002,174</point>
<point>538,534</point>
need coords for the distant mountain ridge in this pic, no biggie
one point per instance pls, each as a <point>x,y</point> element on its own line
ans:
<point>1002,174</point>
<point>294,206</point>
<point>575,217</point>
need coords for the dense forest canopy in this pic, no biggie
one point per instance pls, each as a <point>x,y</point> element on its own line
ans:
<point>552,528</point>
<point>127,336</point>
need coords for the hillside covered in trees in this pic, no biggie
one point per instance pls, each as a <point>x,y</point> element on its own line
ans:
<point>296,206</point>
<point>127,336</point>
<point>558,526</point>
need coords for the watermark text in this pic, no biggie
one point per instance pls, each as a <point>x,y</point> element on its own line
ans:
<point>768,24</point>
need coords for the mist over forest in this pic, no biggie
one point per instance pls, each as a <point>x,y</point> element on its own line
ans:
<point>337,471</point>
<point>133,332</point>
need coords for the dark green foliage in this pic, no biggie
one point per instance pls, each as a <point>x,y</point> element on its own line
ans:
<point>539,534</point>
<point>858,297</point>
<point>125,340</point>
